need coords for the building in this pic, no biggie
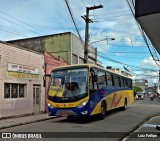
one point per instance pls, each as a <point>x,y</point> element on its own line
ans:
<point>21,81</point>
<point>142,83</point>
<point>64,45</point>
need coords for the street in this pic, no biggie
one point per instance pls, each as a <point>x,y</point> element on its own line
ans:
<point>115,121</point>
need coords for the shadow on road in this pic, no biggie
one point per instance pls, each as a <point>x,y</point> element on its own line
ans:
<point>84,120</point>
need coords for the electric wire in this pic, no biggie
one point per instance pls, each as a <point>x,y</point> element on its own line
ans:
<point>70,12</point>
<point>142,33</point>
<point>112,13</point>
<point>33,27</point>
<point>11,30</point>
<point>14,23</point>
<point>115,61</point>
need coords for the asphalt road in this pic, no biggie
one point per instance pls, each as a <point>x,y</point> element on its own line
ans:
<point>117,122</point>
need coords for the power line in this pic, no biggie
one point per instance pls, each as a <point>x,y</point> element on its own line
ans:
<point>93,2</point>
<point>20,21</point>
<point>84,3</point>
<point>70,12</point>
<point>129,57</point>
<point>14,23</point>
<point>13,31</point>
<point>113,13</point>
<point>127,52</point>
<point>115,61</point>
<point>104,20</point>
<point>99,2</point>
<point>122,15</point>
<point>70,20</point>
<point>142,33</point>
<point>10,32</point>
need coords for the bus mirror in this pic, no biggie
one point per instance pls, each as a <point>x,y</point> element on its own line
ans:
<point>44,79</point>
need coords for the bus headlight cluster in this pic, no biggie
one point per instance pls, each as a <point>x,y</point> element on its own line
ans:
<point>49,105</point>
<point>82,104</point>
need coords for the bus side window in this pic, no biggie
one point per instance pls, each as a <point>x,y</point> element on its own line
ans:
<point>119,81</point>
<point>130,83</point>
<point>109,79</point>
<point>122,82</point>
<point>93,82</point>
<point>101,79</point>
<point>116,80</point>
<point>126,83</point>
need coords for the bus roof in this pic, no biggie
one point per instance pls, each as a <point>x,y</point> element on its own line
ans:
<point>127,75</point>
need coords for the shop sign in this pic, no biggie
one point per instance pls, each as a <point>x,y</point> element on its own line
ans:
<point>22,68</point>
<point>18,75</point>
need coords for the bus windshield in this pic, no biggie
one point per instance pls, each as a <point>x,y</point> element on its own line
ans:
<point>68,83</point>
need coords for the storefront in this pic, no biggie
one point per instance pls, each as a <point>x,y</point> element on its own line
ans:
<point>21,81</point>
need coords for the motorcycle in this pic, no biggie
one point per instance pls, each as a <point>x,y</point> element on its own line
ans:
<point>152,97</point>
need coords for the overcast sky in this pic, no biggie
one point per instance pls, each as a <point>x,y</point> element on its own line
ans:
<point>22,19</point>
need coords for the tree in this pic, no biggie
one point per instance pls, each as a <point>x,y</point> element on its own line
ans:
<point>137,89</point>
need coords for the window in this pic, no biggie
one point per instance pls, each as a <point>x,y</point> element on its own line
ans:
<point>116,80</point>
<point>109,80</point>
<point>122,82</point>
<point>12,90</point>
<point>93,79</point>
<point>128,83</point>
<point>101,79</point>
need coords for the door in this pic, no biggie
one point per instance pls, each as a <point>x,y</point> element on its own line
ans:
<point>36,99</point>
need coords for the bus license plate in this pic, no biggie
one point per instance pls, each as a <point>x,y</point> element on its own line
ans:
<point>64,115</point>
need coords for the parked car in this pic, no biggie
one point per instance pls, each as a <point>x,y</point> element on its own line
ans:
<point>139,95</point>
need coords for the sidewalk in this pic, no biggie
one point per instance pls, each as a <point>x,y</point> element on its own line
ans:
<point>147,129</point>
<point>16,121</point>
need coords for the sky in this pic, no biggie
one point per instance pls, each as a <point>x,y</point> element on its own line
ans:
<point>23,19</point>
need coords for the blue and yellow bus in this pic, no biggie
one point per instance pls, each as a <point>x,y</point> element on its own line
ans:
<point>85,90</point>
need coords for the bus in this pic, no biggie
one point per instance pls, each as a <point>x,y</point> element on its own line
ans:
<point>85,90</point>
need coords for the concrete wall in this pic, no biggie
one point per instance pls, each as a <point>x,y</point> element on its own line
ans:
<point>65,45</point>
<point>56,45</point>
<point>59,46</point>
<point>77,48</point>
<point>15,55</point>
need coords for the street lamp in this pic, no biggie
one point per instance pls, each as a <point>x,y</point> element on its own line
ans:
<point>96,42</point>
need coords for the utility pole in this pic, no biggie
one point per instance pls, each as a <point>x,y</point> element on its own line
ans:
<point>159,77</point>
<point>87,20</point>
<point>158,85</point>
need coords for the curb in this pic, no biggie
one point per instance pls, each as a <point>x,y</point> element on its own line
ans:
<point>23,123</point>
<point>127,136</point>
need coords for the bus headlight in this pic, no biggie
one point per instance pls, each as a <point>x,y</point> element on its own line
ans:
<point>49,105</point>
<point>82,104</point>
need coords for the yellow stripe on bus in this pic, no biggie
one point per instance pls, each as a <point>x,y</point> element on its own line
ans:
<point>119,100</point>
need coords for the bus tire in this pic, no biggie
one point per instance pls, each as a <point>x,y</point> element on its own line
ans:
<point>102,113</point>
<point>125,105</point>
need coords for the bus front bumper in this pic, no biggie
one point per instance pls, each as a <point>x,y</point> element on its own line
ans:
<point>67,112</point>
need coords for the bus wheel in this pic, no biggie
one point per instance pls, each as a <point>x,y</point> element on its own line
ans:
<point>102,111</point>
<point>125,105</point>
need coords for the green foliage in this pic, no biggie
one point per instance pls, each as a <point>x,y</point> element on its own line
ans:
<point>137,89</point>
